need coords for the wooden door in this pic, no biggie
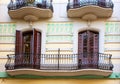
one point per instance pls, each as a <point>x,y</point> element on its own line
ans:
<point>28,49</point>
<point>88,49</point>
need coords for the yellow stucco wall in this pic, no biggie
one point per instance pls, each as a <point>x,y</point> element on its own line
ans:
<point>59,81</point>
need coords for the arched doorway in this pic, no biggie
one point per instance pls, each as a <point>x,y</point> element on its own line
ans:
<point>28,49</point>
<point>88,48</point>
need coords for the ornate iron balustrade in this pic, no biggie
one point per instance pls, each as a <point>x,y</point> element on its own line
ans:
<point>45,4</point>
<point>81,3</point>
<point>60,61</point>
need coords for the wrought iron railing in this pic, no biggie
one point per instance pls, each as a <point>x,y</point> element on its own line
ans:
<point>45,4</point>
<point>59,61</point>
<point>81,3</point>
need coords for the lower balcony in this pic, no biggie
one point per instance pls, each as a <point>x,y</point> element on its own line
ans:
<point>59,65</point>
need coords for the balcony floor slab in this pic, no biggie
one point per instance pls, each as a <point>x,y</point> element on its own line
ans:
<point>60,72</point>
<point>86,12</point>
<point>30,13</point>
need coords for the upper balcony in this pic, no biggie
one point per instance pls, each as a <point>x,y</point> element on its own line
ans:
<point>30,10</point>
<point>59,64</point>
<point>89,9</point>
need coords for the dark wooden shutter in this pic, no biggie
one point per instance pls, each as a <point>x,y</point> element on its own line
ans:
<point>96,43</point>
<point>37,48</point>
<point>90,49</point>
<point>96,49</point>
<point>80,43</point>
<point>80,49</point>
<point>18,49</point>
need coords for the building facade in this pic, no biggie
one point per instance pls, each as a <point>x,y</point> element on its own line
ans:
<point>60,39</point>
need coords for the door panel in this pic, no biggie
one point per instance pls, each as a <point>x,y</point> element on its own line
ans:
<point>37,48</point>
<point>96,49</point>
<point>27,48</point>
<point>18,50</point>
<point>80,49</point>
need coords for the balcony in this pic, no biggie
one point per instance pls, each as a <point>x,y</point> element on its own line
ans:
<point>59,65</point>
<point>89,9</point>
<point>30,10</point>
